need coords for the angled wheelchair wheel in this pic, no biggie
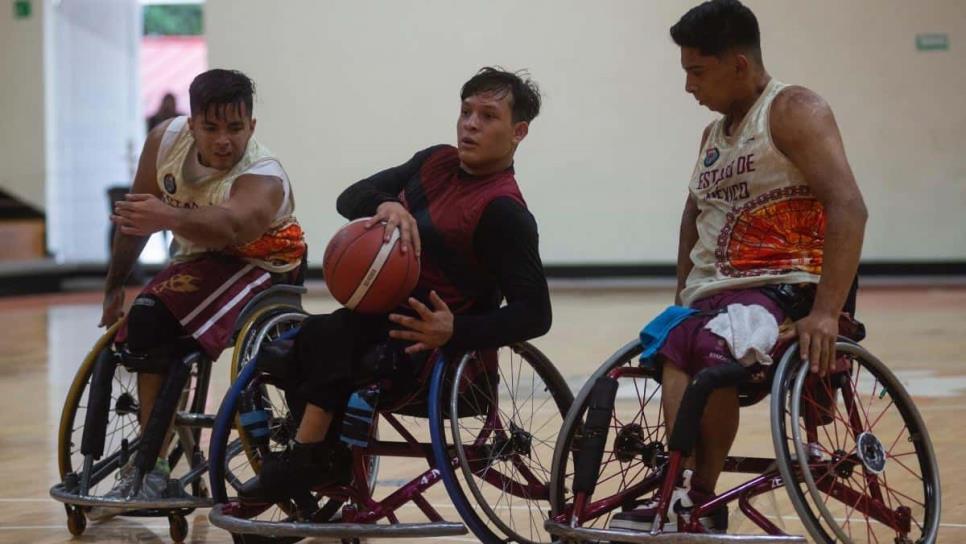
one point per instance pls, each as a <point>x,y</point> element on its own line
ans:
<point>235,455</point>
<point>122,429</point>
<point>504,410</point>
<point>871,473</point>
<point>634,449</point>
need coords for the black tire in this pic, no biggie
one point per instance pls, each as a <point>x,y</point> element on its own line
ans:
<point>76,520</point>
<point>503,427</point>
<point>639,416</point>
<point>242,455</point>
<point>241,459</point>
<point>822,419</point>
<point>177,527</point>
<point>122,424</point>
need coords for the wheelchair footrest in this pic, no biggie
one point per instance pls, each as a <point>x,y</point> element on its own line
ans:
<point>624,535</point>
<point>276,529</point>
<point>60,493</point>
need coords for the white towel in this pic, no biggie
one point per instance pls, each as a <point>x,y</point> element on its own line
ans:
<point>750,331</point>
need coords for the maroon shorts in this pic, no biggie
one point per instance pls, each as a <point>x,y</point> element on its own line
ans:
<point>691,347</point>
<point>206,295</point>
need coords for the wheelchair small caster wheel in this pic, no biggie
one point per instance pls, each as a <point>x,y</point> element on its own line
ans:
<point>76,521</point>
<point>177,527</point>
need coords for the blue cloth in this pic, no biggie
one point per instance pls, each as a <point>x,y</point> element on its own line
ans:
<point>655,333</point>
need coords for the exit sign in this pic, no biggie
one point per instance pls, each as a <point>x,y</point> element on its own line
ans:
<point>21,9</point>
<point>932,42</point>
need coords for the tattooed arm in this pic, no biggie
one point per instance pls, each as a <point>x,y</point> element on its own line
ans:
<point>126,248</point>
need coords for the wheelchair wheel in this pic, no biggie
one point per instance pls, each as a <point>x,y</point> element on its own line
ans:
<point>504,415</point>
<point>266,326</point>
<point>871,473</point>
<point>235,455</point>
<point>635,447</point>
<point>123,428</point>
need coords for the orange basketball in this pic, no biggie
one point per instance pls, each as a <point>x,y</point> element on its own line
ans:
<point>366,274</point>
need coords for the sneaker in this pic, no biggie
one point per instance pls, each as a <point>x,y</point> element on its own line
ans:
<point>295,471</point>
<point>153,487</point>
<point>124,481</point>
<point>683,499</point>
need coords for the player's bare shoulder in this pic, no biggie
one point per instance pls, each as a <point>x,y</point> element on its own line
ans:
<point>796,101</point>
<point>798,112</point>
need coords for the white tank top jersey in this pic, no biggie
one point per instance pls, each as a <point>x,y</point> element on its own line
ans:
<point>758,222</point>
<point>186,183</point>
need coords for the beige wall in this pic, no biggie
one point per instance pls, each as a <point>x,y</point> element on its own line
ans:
<point>349,87</point>
<point>22,104</point>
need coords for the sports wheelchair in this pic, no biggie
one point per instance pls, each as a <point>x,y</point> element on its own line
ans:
<point>100,432</point>
<point>485,424</point>
<point>851,451</point>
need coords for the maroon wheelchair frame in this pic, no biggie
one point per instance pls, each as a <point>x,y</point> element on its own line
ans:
<point>767,477</point>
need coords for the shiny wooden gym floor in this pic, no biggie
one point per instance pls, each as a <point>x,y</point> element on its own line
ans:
<point>920,332</point>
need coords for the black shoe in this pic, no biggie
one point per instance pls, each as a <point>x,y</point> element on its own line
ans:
<point>295,471</point>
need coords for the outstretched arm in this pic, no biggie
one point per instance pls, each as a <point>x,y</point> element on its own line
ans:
<point>248,212</point>
<point>126,247</point>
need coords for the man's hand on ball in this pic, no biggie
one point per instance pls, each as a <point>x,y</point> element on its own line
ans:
<point>395,215</point>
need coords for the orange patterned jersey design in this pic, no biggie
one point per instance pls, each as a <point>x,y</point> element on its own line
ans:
<point>775,237</point>
<point>281,245</point>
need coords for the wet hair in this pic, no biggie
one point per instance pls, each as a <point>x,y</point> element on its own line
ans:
<point>717,26</point>
<point>217,90</point>
<point>524,93</point>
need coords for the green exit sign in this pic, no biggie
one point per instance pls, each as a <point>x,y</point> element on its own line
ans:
<point>932,42</point>
<point>21,9</point>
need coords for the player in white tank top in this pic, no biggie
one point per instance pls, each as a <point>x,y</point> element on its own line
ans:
<point>229,204</point>
<point>772,200</point>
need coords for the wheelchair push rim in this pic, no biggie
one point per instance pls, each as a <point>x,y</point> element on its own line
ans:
<point>503,428</point>
<point>635,450</point>
<point>871,472</point>
<point>268,324</point>
<point>239,459</point>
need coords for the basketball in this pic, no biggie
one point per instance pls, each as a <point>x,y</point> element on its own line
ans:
<point>365,273</point>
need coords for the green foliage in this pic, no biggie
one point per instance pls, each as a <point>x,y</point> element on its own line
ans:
<point>173,20</point>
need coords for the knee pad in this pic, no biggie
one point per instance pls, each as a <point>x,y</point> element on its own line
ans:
<point>150,324</point>
<point>158,360</point>
<point>155,339</point>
